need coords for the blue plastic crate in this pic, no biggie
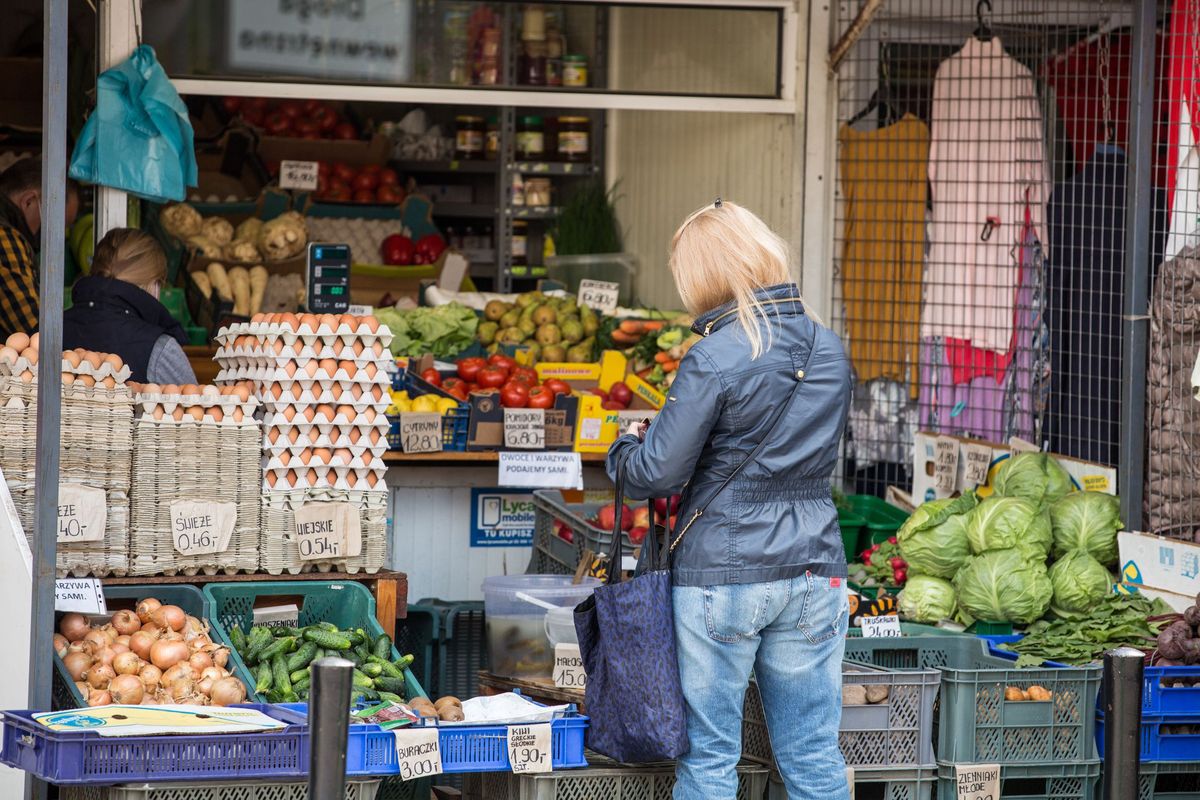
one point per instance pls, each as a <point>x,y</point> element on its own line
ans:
<point>1160,699</point>
<point>87,758</point>
<point>1008,655</point>
<point>1158,745</point>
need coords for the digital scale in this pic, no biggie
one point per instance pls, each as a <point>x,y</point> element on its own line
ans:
<point>328,278</point>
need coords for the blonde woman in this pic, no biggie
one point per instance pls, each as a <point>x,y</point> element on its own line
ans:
<point>115,309</point>
<point>759,571</point>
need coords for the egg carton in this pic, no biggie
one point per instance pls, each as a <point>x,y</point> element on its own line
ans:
<point>316,375</point>
<point>308,332</point>
<point>222,410</point>
<point>278,552</point>
<point>83,559</point>
<point>321,459</point>
<point>282,437</point>
<point>368,479</point>
<point>284,412</point>
<point>339,427</point>
<point>249,347</point>
<point>10,367</point>
<point>265,377</point>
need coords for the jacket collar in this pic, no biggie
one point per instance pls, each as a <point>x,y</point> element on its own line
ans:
<point>782,298</point>
<point>121,296</point>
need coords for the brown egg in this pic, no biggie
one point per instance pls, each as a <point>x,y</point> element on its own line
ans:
<point>345,411</point>
<point>273,435</point>
<point>306,456</point>
<point>377,393</point>
<point>196,412</point>
<point>68,356</point>
<point>257,318</point>
<point>82,380</point>
<point>348,319</point>
<point>293,435</point>
<point>310,368</point>
<point>289,320</point>
<point>177,414</point>
<point>158,412</point>
<point>356,391</point>
<point>189,390</point>
<point>351,479</point>
<point>349,367</point>
<point>312,477</point>
<point>68,378</point>
<point>322,455</point>
<point>308,413</point>
<point>314,435</point>
<point>328,320</point>
<point>310,320</point>
<point>109,382</point>
<point>290,369</point>
<point>377,348</point>
<point>277,347</point>
<point>325,411</point>
<point>18,341</point>
<point>369,414</point>
<point>371,370</point>
<point>372,479</point>
<point>291,477</point>
<point>357,347</point>
<point>271,479</point>
<point>374,436</point>
<point>297,391</point>
<point>354,433</point>
<point>298,347</point>
<point>329,365</point>
<point>289,413</point>
<point>30,355</point>
<point>35,340</point>
<point>242,392</point>
<point>336,391</point>
<point>285,457</point>
<point>170,389</point>
<point>371,323</point>
<point>115,361</point>
<point>216,413</point>
<point>343,456</point>
<point>275,390</point>
<point>238,415</point>
<point>151,388</point>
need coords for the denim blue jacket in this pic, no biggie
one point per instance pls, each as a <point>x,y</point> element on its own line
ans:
<point>776,519</point>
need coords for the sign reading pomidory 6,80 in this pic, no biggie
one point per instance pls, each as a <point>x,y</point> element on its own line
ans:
<point>501,518</point>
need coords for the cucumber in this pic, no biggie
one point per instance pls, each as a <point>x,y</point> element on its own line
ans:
<point>284,630</point>
<point>303,656</point>
<point>361,681</point>
<point>357,636</point>
<point>282,683</point>
<point>382,646</point>
<point>327,639</point>
<point>389,669</point>
<point>297,675</point>
<point>395,685</point>
<point>237,638</point>
<point>372,669</point>
<point>280,646</point>
<point>262,683</point>
<point>404,662</point>
<point>259,639</point>
<point>324,626</point>
<point>390,697</point>
<point>361,653</point>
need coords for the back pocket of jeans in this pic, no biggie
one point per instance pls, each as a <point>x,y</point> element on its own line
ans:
<point>825,613</point>
<point>736,611</point>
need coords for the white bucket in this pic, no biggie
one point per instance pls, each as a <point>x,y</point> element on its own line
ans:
<point>560,626</point>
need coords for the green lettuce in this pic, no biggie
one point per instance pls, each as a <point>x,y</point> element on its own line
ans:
<point>1087,522</point>
<point>445,331</point>
<point>933,541</point>
<point>1079,582</point>
<point>1036,477</point>
<point>926,599</point>
<point>1000,523</point>
<point>1003,586</point>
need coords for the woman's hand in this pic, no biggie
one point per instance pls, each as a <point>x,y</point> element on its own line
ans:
<point>637,429</point>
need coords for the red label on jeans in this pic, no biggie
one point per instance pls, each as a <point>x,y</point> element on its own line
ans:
<point>835,582</point>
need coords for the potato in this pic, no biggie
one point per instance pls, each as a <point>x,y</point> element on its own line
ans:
<point>1039,693</point>
<point>1014,693</point>
<point>877,692</point>
<point>854,695</point>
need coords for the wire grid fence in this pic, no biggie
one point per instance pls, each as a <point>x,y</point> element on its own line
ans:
<point>980,227</point>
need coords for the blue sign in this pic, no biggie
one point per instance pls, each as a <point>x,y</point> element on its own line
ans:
<point>501,518</point>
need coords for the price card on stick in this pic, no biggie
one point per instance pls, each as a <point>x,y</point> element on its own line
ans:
<point>82,513</point>
<point>418,752</point>
<point>199,527</point>
<point>600,295</point>
<point>298,175</point>
<point>327,531</point>
<point>529,748</point>
<point>568,667</point>
<point>880,627</point>
<point>525,428</point>
<point>977,781</point>
<point>421,432</point>
<point>945,466</point>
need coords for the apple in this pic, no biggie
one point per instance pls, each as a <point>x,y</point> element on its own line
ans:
<point>641,517</point>
<point>621,393</point>
<point>660,507</point>
<point>606,517</point>
<point>638,534</point>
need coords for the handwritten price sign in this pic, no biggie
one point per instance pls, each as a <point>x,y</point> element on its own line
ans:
<point>298,175</point>
<point>82,513</point>
<point>600,295</point>
<point>886,626</point>
<point>421,432</point>
<point>326,531</point>
<point>200,527</point>
<point>525,428</point>
<point>977,781</point>
<point>418,752</point>
<point>568,667</point>
<point>529,748</point>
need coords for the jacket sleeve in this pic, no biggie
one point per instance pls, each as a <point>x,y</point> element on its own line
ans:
<point>664,462</point>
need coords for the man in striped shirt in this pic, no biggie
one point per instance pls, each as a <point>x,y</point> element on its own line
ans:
<point>20,224</point>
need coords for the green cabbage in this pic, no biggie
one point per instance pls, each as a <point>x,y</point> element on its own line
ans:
<point>926,599</point>
<point>933,541</point>
<point>445,331</point>
<point>1003,586</point>
<point>1087,522</point>
<point>1079,582</point>
<point>1037,477</point>
<point>999,523</point>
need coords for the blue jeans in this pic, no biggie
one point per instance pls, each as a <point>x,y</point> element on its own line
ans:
<point>791,634</point>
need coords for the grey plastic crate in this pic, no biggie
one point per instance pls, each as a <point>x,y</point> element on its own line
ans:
<point>609,783</point>
<point>896,783</point>
<point>1077,780</point>
<point>211,790</point>
<point>1169,780</point>
<point>554,555</point>
<point>894,733</point>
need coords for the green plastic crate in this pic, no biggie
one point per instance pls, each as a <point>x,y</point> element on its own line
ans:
<point>345,604</point>
<point>913,629</point>
<point>1067,781</point>
<point>881,520</point>
<point>189,598</point>
<point>1169,780</point>
<point>418,633</point>
<point>893,783</point>
<point>852,527</point>
<point>393,788</point>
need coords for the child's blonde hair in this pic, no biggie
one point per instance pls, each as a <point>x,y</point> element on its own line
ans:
<point>724,253</point>
<point>132,256</point>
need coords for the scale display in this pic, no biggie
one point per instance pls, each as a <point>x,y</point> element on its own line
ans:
<point>328,278</point>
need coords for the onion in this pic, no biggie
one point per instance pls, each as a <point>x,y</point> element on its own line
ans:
<point>125,622</point>
<point>123,639</point>
<point>78,647</point>
<point>77,663</point>
<point>200,661</point>
<point>141,642</point>
<point>126,664</point>
<point>110,633</point>
<point>179,672</point>
<point>148,699</point>
<point>151,629</point>
<point>171,617</point>
<point>99,675</point>
<point>212,673</point>
<point>127,690</point>
<point>165,654</point>
<point>60,645</point>
<point>151,677</point>
<point>182,690</point>
<point>96,639</point>
<point>204,686</point>
<point>82,688</point>
<point>193,627</point>
<point>227,692</point>
<point>73,626</point>
<point>195,645</point>
<point>99,698</point>
<point>105,655</point>
<point>118,648</point>
<point>220,655</point>
<point>146,608</point>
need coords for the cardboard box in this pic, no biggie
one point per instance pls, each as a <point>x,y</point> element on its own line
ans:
<point>1162,567</point>
<point>645,396</point>
<point>600,375</point>
<point>355,152</point>
<point>1086,475</point>
<point>486,428</point>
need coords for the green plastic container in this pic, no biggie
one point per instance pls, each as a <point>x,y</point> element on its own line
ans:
<point>852,527</point>
<point>880,519</point>
<point>1078,780</point>
<point>345,604</point>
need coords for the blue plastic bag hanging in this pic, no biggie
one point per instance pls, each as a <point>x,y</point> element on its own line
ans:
<point>139,138</point>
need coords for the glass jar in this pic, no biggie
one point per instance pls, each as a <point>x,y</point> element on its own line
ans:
<point>519,250</point>
<point>554,58</point>
<point>531,138</point>
<point>575,71</point>
<point>517,197</point>
<point>491,147</point>
<point>537,192</point>
<point>531,66</point>
<point>574,138</point>
<point>468,137</point>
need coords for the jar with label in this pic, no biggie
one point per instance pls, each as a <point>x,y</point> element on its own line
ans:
<point>518,190</point>
<point>491,147</point>
<point>519,250</point>
<point>531,138</point>
<point>468,137</point>
<point>531,65</point>
<point>574,138</point>
<point>575,71</point>
<point>537,192</point>
<point>555,44</point>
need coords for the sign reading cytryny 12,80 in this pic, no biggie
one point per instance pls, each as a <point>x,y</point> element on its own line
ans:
<point>363,39</point>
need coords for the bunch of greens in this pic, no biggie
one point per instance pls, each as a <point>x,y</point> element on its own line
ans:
<point>445,331</point>
<point>1111,621</point>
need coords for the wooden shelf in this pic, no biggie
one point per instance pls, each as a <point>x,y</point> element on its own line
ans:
<point>470,457</point>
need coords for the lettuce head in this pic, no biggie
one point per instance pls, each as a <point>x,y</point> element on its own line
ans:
<point>1036,477</point>
<point>926,599</point>
<point>1087,522</point>
<point>934,539</point>
<point>1003,586</point>
<point>1000,523</point>
<point>1079,582</point>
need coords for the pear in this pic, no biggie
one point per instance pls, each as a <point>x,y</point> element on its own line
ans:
<point>548,334</point>
<point>527,326</point>
<point>510,318</point>
<point>512,335</point>
<point>572,330</point>
<point>486,333</point>
<point>544,315</point>
<point>591,323</point>
<point>554,352</point>
<point>495,309</point>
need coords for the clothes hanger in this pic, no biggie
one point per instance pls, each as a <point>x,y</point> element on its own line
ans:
<point>984,32</point>
<point>879,100</point>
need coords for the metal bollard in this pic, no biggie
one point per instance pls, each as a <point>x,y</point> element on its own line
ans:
<point>329,723</point>
<point>1122,703</point>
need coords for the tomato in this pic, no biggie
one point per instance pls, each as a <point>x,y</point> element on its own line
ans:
<point>365,180</point>
<point>389,194</point>
<point>253,115</point>
<point>431,375</point>
<point>344,172</point>
<point>291,108</point>
<point>468,368</point>
<point>231,105</point>
<point>277,124</point>
<point>557,386</point>
<point>325,118</point>
<point>364,196</point>
<point>310,105</point>
<point>514,395</point>
<point>492,377</point>
<point>430,248</point>
<point>540,397</point>
<point>345,130</point>
<point>525,375</point>
<point>374,169</point>
<point>388,177</point>
<point>452,382</point>
<point>397,250</point>
<point>338,192</point>
<point>460,392</point>
<point>304,127</point>
<point>501,360</point>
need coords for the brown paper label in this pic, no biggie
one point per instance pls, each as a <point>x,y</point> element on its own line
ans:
<point>82,513</point>
<point>326,531</point>
<point>201,527</point>
<point>421,432</point>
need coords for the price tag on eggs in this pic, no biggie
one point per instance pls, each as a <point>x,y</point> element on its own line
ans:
<point>529,748</point>
<point>525,428</point>
<point>418,752</point>
<point>82,513</point>
<point>600,295</point>
<point>298,175</point>
<point>328,531</point>
<point>420,432</point>
<point>199,527</point>
<point>568,667</point>
<point>885,626</point>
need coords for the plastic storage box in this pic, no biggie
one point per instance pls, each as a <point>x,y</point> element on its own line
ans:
<point>852,526</point>
<point>516,628</point>
<point>893,783</point>
<point>358,790</point>
<point>1067,781</point>
<point>604,779</point>
<point>618,268</point>
<point>1169,780</point>
<point>1160,741</point>
<point>551,552</point>
<point>1160,696</point>
<point>880,519</point>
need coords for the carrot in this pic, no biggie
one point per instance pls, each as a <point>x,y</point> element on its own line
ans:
<point>662,356</point>
<point>670,366</point>
<point>652,325</point>
<point>624,337</point>
<point>632,326</point>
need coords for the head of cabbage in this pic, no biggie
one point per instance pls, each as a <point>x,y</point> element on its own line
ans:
<point>934,539</point>
<point>1087,522</point>
<point>998,523</point>
<point>1003,586</point>
<point>1036,477</point>
<point>1079,582</point>
<point>926,599</point>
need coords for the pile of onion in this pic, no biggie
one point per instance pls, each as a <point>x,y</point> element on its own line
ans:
<point>154,655</point>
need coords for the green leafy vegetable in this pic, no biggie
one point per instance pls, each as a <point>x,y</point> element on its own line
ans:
<point>444,331</point>
<point>1003,586</point>
<point>1087,522</point>
<point>926,599</point>
<point>1079,582</point>
<point>933,541</point>
<point>1113,621</point>
<point>1036,477</point>
<point>999,523</point>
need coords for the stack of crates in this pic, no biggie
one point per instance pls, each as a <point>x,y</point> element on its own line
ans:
<point>449,642</point>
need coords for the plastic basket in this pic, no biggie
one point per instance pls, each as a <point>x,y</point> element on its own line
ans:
<point>1160,697</point>
<point>396,789</point>
<point>1068,781</point>
<point>903,783</point>
<point>85,757</point>
<point>1009,655</point>
<point>611,782</point>
<point>1169,780</point>
<point>418,634</point>
<point>1159,742</point>
<point>894,733</point>
<point>347,605</point>
<point>454,430</point>
<point>852,525</point>
<point>458,649</point>
<point>880,519</point>
<point>356,790</point>
<point>189,598</point>
<point>554,555</point>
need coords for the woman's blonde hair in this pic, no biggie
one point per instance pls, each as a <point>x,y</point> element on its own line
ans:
<point>724,253</point>
<point>132,256</point>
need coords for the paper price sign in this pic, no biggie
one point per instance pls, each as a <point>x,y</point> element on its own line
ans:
<point>201,527</point>
<point>421,432</point>
<point>568,667</point>
<point>880,627</point>
<point>325,531</point>
<point>979,458</point>
<point>418,752</point>
<point>525,428</point>
<point>529,748</point>
<point>977,781</point>
<point>600,295</point>
<point>298,175</point>
<point>83,595</point>
<point>945,465</point>
<point>82,513</point>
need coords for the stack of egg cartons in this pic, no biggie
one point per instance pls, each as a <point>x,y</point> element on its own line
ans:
<point>195,493</point>
<point>95,449</point>
<point>323,382</point>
